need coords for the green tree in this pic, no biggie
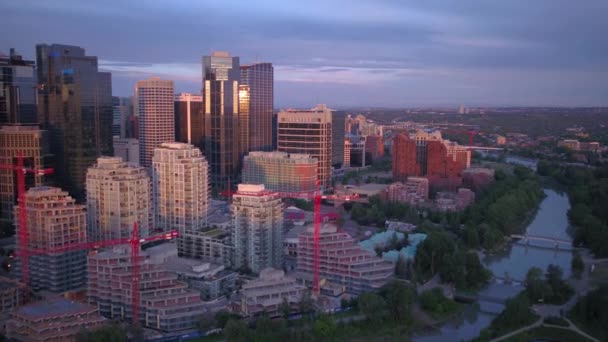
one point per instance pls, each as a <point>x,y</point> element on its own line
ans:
<point>285,308</point>
<point>112,332</point>
<point>306,305</point>
<point>476,274</point>
<point>236,331</point>
<point>324,327</point>
<point>399,299</point>
<point>264,330</point>
<point>578,266</point>
<point>372,306</point>
<point>222,317</point>
<point>535,286</point>
<point>401,267</point>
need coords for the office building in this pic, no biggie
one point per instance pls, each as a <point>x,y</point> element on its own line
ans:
<point>54,222</point>
<point>166,303</point>
<point>338,124</point>
<point>12,294</point>
<point>265,294</point>
<point>127,149</point>
<point>257,235</point>
<point>33,144</point>
<point>18,84</point>
<point>118,196</point>
<point>374,148</point>
<point>53,320</point>
<point>222,133</point>
<point>180,183</point>
<point>354,151</point>
<point>189,119</point>
<point>75,106</point>
<point>280,171</point>
<point>308,132</point>
<point>122,109</point>
<point>341,261</point>
<point>155,110</point>
<point>259,78</point>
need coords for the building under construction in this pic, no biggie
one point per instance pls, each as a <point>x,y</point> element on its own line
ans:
<point>341,261</point>
<point>257,235</point>
<point>166,304</point>
<point>55,222</point>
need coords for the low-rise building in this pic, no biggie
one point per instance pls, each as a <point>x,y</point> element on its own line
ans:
<point>341,261</point>
<point>11,294</point>
<point>266,293</point>
<point>212,280</point>
<point>454,201</point>
<point>210,245</point>
<point>53,320</point>
<point>414,191</point>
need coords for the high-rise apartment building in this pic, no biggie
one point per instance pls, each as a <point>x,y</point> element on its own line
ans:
<point>308,132</point>
<point>281,171</point>
<point>118,196</point>
<point>222,133</point>
<point>54,221</point>
<point>259,77</point>
<point>33,144</point>
<point>155,109</point>
<point>180,183</point>
<point>18,84</point>
<point>189,119</point>
<point>75,106</point>
<point>257,235</point>
<point>427,154</point>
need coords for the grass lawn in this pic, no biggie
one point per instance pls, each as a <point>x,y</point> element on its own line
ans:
<point>548,333</point>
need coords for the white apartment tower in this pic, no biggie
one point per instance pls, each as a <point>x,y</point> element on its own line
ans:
<point>154,105</point>
<point>309,132</point>
<point>257,236</point>
<point>118,195</point>
<point>180,183</point>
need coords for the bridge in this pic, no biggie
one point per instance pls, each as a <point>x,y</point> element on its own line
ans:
<point>556,241</point>
<point>483,148</point>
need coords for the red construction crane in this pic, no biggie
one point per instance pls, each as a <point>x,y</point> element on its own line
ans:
<point>134,242</point>
<point>23,238</point>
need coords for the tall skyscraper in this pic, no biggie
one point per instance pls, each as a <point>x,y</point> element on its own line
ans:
<point>75,106</point>
<point>221,78</point>
<point>189,119</point>
<point>308,132</point>
<point>280,171</point>
<point>338,123</point>
<point>33,144</point>
<point>118,195</point>
<point>257,236</point>
<point>54,221</point>
<point>260,79</point>
<point>17,89</point>
<point>122,109</point>
<point>180,183</point>
<point>155,109</point>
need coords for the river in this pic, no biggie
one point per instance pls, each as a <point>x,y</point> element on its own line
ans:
<point>551,220</point>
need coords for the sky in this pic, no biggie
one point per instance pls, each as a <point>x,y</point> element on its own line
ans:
<point>345,53</point>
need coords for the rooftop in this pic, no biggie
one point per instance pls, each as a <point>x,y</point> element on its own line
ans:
<point>56,306</point>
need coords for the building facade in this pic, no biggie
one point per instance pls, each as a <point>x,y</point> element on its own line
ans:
<point>155,109</point>
<point>122,109</point>
<point>180,183</point>
<point>127,149</point>
<point>33,144</point>
<point>414,191</point>
<point>12,294</point>
<point>374,148</point>
<point>53,320</point>
<point>75,106</point>
<point>55,222</point>
<point>222,126</point>
<point>189,119</point>
<point>341,261</point>
<point>18,85</point>
<point>118,196</point>
<point>167,304</point>
<point>281,171</point>
<point>308,132</point>
<point>259,77</point>
<point>257,235</point>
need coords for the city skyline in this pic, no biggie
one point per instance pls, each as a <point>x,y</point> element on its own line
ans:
<point>421,54</point>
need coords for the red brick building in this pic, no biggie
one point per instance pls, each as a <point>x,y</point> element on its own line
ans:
<point>374,148</point>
